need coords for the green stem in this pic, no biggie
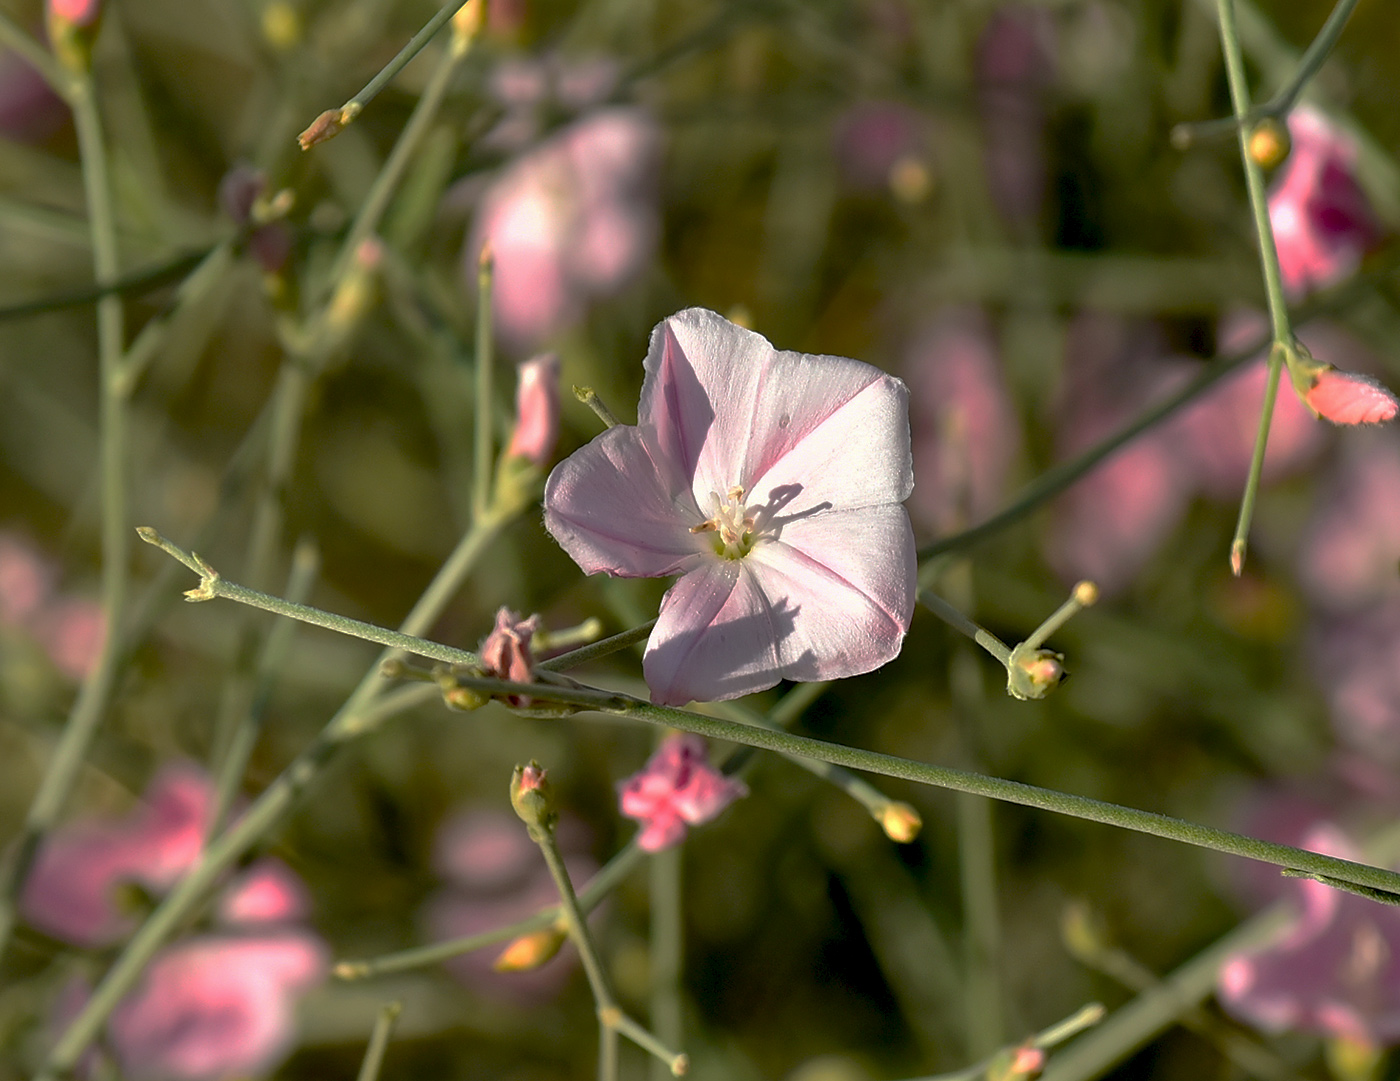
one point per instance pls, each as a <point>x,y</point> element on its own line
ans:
<point>362,712</point>
<point>1273,278</point>
<point>602,884</point>
<point>135,282</point>
<point>382,190</point>
<point>1092,810</point>
<point>483,444</point>
<point>415,45</point>
<point>981,924</point>
<point>96,691</point>
<point>13,37</point>
<point>667,951</point>
<point>602,648</point>
<point>373,1061</point>
<point>1312,60</point>
<point>958,621</point>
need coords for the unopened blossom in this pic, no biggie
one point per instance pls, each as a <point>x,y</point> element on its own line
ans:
<point>1334,971</point>
<point>1350,398</point>
<point>73,890</point>
<point>771,482</point>
<point>505,652</point>
<point>1322,221</point>
<point>676,789</point>
<point>536,410</point>
<point>217,1006</point>
<point>571,221</point>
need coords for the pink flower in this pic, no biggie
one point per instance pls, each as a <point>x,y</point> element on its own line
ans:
<point>25,581</point>
<point>72,630</point>
<point>71,891</point>
<point>536,410</point>
<point>573,220</point>
<point>771,482</point>
<point>965,432</point>
<point>1322,221</point>
<point>505,652</point>
<point>677,787</point>
<point>267,892</point>
<point>1335,971</point>
<point>214,1007</point>
<point>1351,545</point>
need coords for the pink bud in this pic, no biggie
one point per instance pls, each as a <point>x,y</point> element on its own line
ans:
<point>1350,398</point>
<point>536,410</point>
<point>505,653</point>
<point>76,12</point>
<point>676,788</point>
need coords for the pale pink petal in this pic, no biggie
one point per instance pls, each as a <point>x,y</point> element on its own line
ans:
<point>267,892</point>
<point>217,1007</point>
<point>25,580</point>
<point>485,850</point>
<point>677,786</point>
<point>613,508</point>
<point>536,410</point>
<point>72,631</point>
<point>662,830</point>
<point>852,574</point>
<point>715,637</point>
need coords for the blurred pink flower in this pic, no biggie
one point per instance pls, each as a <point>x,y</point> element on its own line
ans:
<point>536,410</point>
<point>1322,220</point>
<point>872,137</point>
<point>219,1006</point>
<point>497,877</point>
<point>1350,398</point>
<point>1351,546</point>
<point>77,12</point>
<point>1109,524</point>
<point>71,630</point>
<point>530,88</point>
<point>1335,971</point>
<point>25,581</point>
<point>71,892</point>
<point>964,428</point>
<point>1014,69</point>
<point>801,564</point>
<point>573,220</point>
<point>267,892</point>
<point>676,788</point>
<point>1219,428</point>
<point>1357,661</point>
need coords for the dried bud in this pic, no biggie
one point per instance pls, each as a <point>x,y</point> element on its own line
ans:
<point>1268,143</point>
<point>533,797</point>
<point>530,951</point>
<point>536,410</point>
<point>505,652</point>
<point>901,823</point>
<point>327,126</point>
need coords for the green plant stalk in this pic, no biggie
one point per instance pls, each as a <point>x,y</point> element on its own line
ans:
<point>601,648</point>
<point>233,760</point>
<point>415,45</point>
<point>1273,277</point>
<point>1312,60</point>
<point>13,37</point>
<point>1155,1010</point>
<point>483,445</point>
<point>981,924</point>
<point>367,218</point>
<point>610,1015</point>
<point>667,951</point>
<point>95,693</point>
<point>592,895</point>
<point>1092,810</point>
<point>134,282</point>
<point>384,1024</point>
<point>1083,1018</point>
<point>357,716</point>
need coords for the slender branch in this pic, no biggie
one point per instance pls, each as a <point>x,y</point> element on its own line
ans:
<point>95,693</point>
<point>1092,810</point>
<point>1273,277</point>
<point>137,281</point>
<point>373,1061</point>
<point>592,652</point>
<point>13,37</point>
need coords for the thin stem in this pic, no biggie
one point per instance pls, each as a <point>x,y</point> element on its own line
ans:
<point>382,190</point>
<point>362,712</point>
<point>415,45</point>
<point>592,895</point>
<point>609,1013</point>
<point>1152,1012</point>
<point>1077,1022</point>
<point>483,444</point>
<point>379,1041</point>
<point>234,758</point>
<point>959,622</point>
<point>13,37</point>
<point>137,281</point>
<point>1311,60</point>
<point>1092,810</point>
<point>981,924</point>
<point>667,950</point>
<point>589,397</point>
<point>1273,278</point>
<point>212,586</point>
<point>96,691</point>
<point>603,648</point>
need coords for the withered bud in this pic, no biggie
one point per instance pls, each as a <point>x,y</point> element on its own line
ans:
<point>530,951</point>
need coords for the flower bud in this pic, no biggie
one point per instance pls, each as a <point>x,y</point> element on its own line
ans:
<point>901,823</point>
<point>532,796</point>
<point>1022,1063</point>
<point>1268,143</point>
<point>1034,674</point>
<point>530,951</point>
<point>1350,398</point>
<point>536,410</point>
<point>72,26</point>
<point>506,654</point>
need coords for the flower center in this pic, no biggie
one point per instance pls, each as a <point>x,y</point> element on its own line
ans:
<point>732,523</point>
